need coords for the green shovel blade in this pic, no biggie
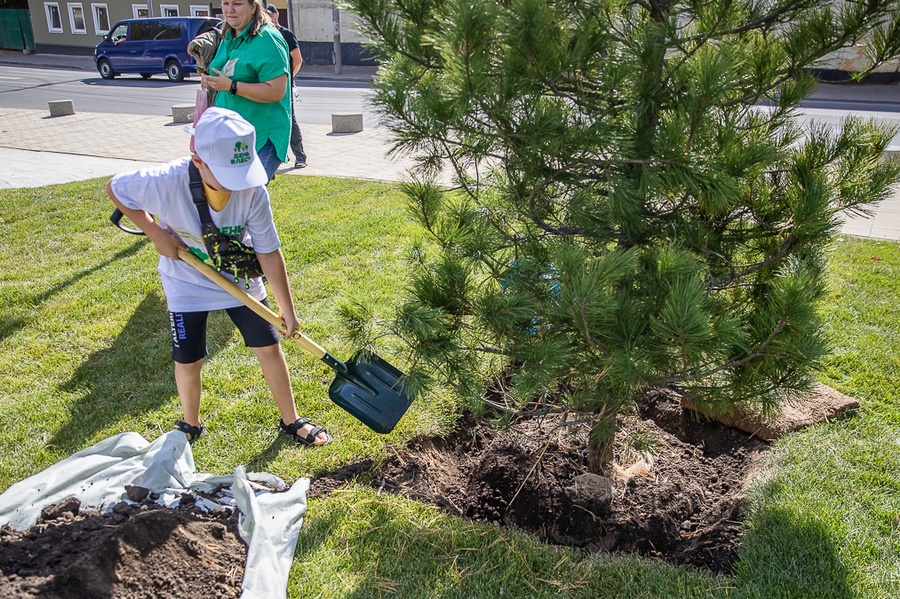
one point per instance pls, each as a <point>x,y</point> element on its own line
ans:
<point>371,390</point>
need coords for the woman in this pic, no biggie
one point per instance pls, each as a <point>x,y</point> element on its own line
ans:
<point>250,73</point>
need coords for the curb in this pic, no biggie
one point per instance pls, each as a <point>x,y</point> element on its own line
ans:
<point>20,63</point>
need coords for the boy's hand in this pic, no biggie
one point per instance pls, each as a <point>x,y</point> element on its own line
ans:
<point>166,244</point>
<point>291,322</point>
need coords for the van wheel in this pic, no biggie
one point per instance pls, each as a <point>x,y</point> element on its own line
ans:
<point>106,70</point>
<point>146,75</point>
<point>174,71</point>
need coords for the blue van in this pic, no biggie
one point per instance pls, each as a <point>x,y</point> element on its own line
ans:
<point>148,46</point>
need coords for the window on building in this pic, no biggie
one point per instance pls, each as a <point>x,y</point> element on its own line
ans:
<point>101,18</point>
<point>54,17</point>
<point>168,10</point>
<point>76,18</point>
<point>140,11</point>
<point>200,10</point>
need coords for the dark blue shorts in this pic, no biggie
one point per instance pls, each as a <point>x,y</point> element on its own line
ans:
<point>189,332</point>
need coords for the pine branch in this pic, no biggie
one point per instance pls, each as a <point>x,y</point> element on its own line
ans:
<point>726,282</point>
<point>758,352</point>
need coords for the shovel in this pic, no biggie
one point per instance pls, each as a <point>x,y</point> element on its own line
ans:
<point>366,386</point>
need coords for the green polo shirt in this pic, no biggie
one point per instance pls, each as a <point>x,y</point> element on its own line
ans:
<point>262,57</point>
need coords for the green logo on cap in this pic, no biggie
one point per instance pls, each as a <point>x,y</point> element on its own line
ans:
<point>241,153</point>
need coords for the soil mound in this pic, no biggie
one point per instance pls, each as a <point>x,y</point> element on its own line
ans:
<point>136,551</point>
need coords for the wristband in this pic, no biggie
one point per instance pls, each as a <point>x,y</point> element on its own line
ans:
<point>233,89</point>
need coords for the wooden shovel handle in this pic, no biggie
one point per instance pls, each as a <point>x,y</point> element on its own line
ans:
<point>251,302</point>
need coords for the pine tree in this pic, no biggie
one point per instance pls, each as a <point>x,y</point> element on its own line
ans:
<point>635,206</point>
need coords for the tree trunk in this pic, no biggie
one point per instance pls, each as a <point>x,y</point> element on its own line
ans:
<point>600,455</point>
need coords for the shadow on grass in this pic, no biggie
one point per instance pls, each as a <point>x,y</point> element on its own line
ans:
<point>133,375</point>
<point>10,323</point>
<point>261,461</point>
<point>786,553</point>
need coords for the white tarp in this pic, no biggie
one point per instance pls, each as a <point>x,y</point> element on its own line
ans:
<point>269,522</point>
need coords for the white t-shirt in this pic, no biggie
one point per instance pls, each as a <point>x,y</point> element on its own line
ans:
<point>164,191</point>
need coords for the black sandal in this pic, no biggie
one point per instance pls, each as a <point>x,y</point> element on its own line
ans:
<point>310,440</point>
<point>193,432</point>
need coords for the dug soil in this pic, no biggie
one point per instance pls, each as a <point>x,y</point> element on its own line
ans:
<point>676,491</point>
<point>676,494</point>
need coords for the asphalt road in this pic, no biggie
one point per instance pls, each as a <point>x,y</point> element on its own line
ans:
<point>30,87</point>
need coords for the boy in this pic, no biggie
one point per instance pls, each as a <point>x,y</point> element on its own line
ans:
<point>233,182</point>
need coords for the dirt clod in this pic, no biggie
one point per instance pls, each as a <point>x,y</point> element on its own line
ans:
<point>136,493</point>
<point>56,511</point>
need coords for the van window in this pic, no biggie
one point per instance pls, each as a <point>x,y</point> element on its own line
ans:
<point>141,31</point>
<point>153,29</point>
<point>118,34</point>
<point>172,31</point>
<point>207,25</point>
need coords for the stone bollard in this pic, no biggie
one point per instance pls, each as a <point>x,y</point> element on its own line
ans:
<point>61,107</point>
<point>346,123</point>
<point>183,113</point>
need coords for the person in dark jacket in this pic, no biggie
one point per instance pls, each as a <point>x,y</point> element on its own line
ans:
<point>296,60</point>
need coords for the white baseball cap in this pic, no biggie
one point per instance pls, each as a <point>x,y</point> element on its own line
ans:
<point>226,142</point>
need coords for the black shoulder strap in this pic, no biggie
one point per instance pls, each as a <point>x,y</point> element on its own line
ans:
<point>228,255</point>
<point>197,194</point>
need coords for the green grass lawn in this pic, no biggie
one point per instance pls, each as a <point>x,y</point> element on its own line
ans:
<point>85,355</point>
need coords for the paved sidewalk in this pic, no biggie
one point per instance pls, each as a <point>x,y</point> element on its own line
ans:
<point>36,149</point>
<point>86,145</point>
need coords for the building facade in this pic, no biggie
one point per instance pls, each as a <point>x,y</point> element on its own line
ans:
<point>77,26</point>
